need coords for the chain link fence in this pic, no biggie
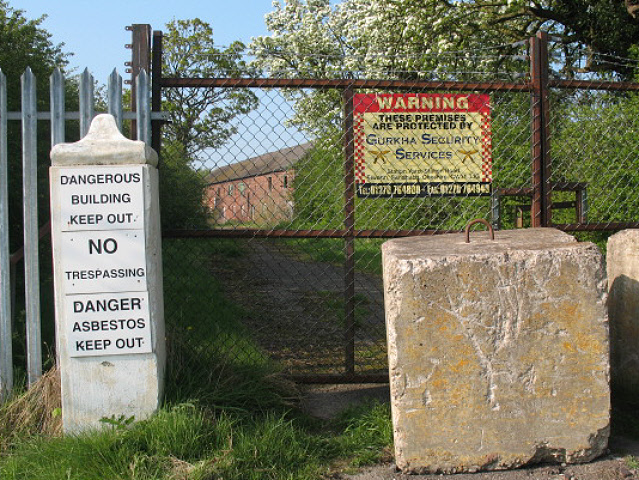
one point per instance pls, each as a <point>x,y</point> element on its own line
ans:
<point>283,262</point>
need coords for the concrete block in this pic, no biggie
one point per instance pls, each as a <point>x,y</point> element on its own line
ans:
<point>107,257</point>
<point>623,308</point>
<point>498,350</point>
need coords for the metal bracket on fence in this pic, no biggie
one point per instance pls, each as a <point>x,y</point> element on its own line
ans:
<point>482,221</point>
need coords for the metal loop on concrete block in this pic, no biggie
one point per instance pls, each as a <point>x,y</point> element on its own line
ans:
<point>478,220</point>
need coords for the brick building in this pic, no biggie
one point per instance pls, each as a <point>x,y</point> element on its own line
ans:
<point>258,190</point>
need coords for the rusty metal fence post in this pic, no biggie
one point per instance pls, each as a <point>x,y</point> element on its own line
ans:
<point>541,208</point>
<point>521,125</point>
<point>349,226</point>
<point>156,91</point>
<point>140,60</point>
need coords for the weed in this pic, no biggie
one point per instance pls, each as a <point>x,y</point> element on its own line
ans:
<point>33,413</point>
<point>118,423</point>
<point>632,462</point>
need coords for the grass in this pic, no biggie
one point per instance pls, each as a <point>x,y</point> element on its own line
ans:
<point>368,252</point>
<point>187,441</point>
<point>367,433</point>
<point>333,306</point>
<point>632,462</point>
<point>182,441</point>
<point>228,413</point>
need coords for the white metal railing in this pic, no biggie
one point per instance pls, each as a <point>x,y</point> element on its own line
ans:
<point>29,116</point>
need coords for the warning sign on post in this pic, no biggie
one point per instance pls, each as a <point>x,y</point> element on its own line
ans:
<point>108,324</point>
<point>103,261</point>
<point>416,145</point>
<point>111,198</point>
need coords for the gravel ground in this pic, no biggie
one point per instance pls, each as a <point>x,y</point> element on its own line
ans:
<point>609,468</point>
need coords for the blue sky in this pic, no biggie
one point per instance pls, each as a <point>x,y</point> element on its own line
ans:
<point>95,30</point>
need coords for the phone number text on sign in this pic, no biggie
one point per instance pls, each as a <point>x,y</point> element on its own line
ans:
<point>411,144</point>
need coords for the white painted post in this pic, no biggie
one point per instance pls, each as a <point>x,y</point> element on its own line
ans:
<point>107,277</point>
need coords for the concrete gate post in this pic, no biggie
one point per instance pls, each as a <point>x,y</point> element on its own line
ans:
<point>107,277</point>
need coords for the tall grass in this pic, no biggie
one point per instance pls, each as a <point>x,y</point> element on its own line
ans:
<point>228,413</point>
<point>212,357</point>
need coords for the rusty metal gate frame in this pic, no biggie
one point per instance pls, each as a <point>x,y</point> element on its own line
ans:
<point>538,85</point>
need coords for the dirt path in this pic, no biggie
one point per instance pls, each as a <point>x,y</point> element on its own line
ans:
<point>297,308</point>
<point>286,277</point>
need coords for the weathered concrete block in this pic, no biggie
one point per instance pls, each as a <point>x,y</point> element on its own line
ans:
<point>498,350</point>
<point>623,308</point>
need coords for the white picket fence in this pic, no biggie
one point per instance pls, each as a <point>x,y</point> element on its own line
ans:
<point>29,117</point>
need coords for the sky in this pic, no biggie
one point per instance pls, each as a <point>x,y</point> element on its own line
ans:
<point>94,31</point>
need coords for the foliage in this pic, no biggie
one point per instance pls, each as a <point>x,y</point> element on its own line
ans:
<point>444,40</point>
<point>318,186</point>
<point>312,39</point>
<point>201,118</point>
<point>182,190</point>
<point>408,39</point>
<point>595,143</point>
<point>26,44</point>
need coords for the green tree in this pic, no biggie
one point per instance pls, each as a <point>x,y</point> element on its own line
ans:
<point>433,39</point>
<point>26,44</point>
<point>182,190</point>
<point>202,118</point>
<point>199,118</point>
<point>312,38</point>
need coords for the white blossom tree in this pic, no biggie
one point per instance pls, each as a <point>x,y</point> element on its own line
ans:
<point>312,38</point>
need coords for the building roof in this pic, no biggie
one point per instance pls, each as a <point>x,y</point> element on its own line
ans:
<point>278,161</point>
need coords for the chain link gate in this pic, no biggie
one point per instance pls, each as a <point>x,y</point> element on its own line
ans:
<point>299,252</point>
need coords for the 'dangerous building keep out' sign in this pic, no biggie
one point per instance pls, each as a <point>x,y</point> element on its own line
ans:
<point>422,144</point>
